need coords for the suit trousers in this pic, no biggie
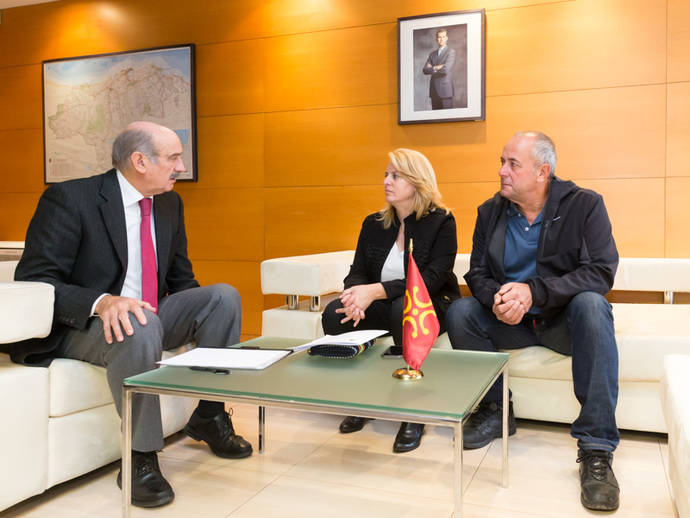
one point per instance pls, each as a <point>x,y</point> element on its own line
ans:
<point>210,316</point>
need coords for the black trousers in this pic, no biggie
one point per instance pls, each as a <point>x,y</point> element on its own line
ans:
<point>441,103</point>
<point>381,314</point>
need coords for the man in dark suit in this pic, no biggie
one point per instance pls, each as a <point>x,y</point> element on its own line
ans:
<point>439,66</point>
<point>115,249</point>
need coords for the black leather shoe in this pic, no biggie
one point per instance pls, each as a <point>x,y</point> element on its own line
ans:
<point>149,487</point>
<point>598,486</point>
<point>352,424</point>
<point>219,434</point>
<point>486,424</point>
<point>408,438</point>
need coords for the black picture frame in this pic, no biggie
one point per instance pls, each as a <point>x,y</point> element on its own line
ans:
<point>88,100</point>
<point>442,83</point>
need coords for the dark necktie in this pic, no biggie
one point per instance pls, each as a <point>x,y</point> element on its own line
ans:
<point>149,276</point>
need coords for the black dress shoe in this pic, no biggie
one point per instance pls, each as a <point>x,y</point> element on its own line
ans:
<point>219,434</point>
<point>149,487</point>
<point>408,438</point>
<point>352,424</point>
<point>598,485</point>
<point>486,424</point>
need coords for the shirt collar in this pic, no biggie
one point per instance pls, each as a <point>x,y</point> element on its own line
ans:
<point>130,195</point>
<point>512,211</point>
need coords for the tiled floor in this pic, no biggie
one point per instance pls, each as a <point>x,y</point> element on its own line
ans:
<point>310,470</point>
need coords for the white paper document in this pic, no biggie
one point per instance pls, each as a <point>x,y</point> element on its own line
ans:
<point>351,338</point>
<point>208,357</point>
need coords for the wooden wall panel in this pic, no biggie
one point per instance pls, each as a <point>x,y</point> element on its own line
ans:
<point>22,160</point>
<point>230,78</point>
<point>311,220</point>
<point>296,16</point>
<point>575,45</point>
<point>463,199</point>
<point>21,102</point>
<point>598,134</point>
<point>231,151</point>
<point>678,130</point>
<point>75,27</point>
<point>224,224</point>
<point>244,276</point>
<point>637,219</point>
<point>678,40</point>
<point>333,68</point>
<point>677,217</point>
<point>17,210</point>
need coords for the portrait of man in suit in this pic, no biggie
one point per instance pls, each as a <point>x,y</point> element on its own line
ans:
<point>439,65</point>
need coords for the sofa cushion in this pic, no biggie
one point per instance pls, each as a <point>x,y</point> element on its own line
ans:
<point>76,385</point>
<point>27,310</point>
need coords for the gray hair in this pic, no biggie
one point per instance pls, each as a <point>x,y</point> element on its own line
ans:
<point>543,149</point>
<point>130,141</point>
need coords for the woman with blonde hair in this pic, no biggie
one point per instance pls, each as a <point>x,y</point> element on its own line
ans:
<point>375,287</point>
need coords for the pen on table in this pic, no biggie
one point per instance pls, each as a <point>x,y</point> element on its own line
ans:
<point>211,369</point>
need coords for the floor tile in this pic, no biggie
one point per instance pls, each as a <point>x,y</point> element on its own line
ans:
<point>291,497</point>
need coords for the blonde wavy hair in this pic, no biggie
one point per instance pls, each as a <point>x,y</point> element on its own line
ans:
<point>416,169</point>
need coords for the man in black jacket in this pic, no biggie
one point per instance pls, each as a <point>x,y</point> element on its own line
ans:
<point>543,257</point>
<point>115,249</point>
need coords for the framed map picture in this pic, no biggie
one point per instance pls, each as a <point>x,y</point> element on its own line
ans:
<point>88,100</point>
<point>441,67</point>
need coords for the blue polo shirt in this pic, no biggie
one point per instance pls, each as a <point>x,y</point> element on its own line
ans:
<point>520,254</point>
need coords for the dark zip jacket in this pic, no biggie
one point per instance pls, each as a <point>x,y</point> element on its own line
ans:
<point>576,250</point>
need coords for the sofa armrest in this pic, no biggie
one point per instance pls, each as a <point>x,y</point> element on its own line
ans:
<point>313,275</point>
<point>26,310</point>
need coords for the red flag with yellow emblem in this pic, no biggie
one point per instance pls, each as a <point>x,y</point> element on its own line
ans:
<point>420,324</point>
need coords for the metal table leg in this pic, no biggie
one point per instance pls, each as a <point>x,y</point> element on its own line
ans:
<point>126,451</point>
<point>504,440</point>
<point>262,427</point>
<point>457,483</point>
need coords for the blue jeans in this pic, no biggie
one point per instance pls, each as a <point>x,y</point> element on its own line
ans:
<point>584,330</point>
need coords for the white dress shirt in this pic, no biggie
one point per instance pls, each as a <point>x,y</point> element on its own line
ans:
<point>394,267</point>
<point>130,201</point>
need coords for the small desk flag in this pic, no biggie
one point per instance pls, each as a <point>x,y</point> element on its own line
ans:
<point>420,324</point>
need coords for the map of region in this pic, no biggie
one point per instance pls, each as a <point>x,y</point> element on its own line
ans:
<point>88,101</point>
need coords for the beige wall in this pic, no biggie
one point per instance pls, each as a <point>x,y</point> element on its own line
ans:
<point>296,106</point>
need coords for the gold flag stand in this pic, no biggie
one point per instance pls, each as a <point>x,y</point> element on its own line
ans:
<point>408,374</point>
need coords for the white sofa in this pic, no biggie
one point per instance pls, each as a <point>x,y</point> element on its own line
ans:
<point>57,422</point>
<point>540,379</point>
<point>675,398</point>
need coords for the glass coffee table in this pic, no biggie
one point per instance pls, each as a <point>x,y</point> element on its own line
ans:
<point>454,383</point>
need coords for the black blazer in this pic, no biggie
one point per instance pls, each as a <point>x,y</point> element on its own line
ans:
<point>77,241</point>
<point>435,245</point>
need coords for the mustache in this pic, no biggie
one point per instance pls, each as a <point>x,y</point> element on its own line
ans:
<point>174,175</point>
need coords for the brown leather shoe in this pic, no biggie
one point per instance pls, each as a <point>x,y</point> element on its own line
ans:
<point>149,487</point>
<point>219,434</point>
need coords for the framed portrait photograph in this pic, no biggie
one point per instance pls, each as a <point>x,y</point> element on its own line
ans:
<point>89,100</point>
<point>441,67</point>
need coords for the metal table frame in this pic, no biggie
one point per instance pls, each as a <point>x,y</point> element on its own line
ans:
<point>129,390</point>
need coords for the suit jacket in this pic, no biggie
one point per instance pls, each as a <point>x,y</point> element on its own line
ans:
<point>435,245</point>
<point>77,241</point>
<point>441,83</point>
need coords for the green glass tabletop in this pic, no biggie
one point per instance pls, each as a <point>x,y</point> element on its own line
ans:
<point>452,382</point>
